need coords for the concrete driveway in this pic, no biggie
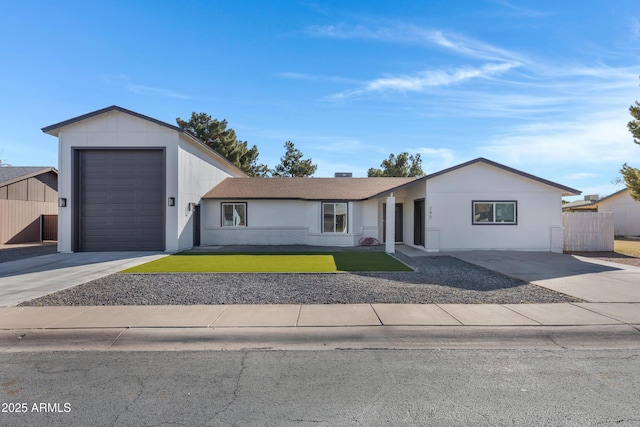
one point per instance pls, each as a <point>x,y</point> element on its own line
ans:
<point>586,278</point>
<point>34,277</point>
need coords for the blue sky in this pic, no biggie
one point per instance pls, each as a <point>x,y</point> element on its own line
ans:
<point>541,86</point>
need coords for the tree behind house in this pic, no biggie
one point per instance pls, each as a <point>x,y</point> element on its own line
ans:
<point>215,135</point>
<point>292,164</point>
<point>402,165</point>
<point>631,175</point>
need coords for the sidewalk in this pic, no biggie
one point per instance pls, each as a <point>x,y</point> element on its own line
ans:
<point>320,327</point>
<point>300,316</point>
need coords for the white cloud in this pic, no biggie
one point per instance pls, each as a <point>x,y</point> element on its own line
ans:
<point>467,46</point>
<point>426,79</point>
<point>403,32</point>
<point>596,140</point>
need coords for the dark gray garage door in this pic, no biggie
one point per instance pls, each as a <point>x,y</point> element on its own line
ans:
<point>121,200</point>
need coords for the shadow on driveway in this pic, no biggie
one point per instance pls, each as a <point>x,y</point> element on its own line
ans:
<point>533,266</point>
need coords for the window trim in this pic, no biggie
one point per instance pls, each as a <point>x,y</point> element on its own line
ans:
<point>494,203</point>
<point>246,214</point>
<point>346,229</point>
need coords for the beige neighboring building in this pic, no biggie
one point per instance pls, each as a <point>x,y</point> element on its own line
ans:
<point>626,213</point>
<point>28,204</point>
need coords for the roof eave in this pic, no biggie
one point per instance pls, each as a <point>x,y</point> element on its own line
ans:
<point>303,199</point>
<point>396,188</point>
<point>54,129</point>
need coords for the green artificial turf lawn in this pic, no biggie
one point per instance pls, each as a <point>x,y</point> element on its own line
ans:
<point>272,263</point>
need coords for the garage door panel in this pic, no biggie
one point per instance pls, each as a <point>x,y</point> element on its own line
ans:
<point>124,183</point>
<point>122,197</point>
<point>105,222</point>
<point>122,200</point>
<point>120,204</point>
<point>124,233</point>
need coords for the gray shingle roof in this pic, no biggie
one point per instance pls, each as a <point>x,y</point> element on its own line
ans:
<point>305,188</point>
<point>340,188</point>
<point>12,173</point>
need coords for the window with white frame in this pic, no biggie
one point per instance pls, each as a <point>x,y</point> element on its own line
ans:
<point>495,212</point>
<point>334,217</point>
<point>234,214</point>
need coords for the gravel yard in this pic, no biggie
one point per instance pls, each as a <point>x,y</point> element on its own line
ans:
<point>438,279</point>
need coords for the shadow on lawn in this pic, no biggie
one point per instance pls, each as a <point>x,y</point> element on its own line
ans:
<point>350,261</point>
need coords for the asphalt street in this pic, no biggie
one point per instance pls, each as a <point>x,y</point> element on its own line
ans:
<point>322,388</point>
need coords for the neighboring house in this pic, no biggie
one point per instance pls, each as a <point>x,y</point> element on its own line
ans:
<point>28,200</point>
<point>131,182</point>
<point>588,204</point>
<point>626,212</point>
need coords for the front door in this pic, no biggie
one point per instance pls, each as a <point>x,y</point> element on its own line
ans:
<point>196,225</point>
<point>418,222</point>
<point>399,227</point>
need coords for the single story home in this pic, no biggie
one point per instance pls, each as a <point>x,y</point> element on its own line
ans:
<point>130,182</point>
<point>626,212</point>
<point>28,204</point>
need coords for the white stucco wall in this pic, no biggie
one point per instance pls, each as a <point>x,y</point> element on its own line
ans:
<point>626,213</point>
<point>110,130</point>
<point>415,192</point>
<point>284,222</point>
<point>449,211</point>
<point>189,169</point>
<point>198,172</point>
<point>405,196</point>
<point>368,225</point>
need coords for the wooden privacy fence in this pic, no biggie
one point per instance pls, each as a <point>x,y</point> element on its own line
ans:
<point>49,227</point>
<point>588,231</point>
